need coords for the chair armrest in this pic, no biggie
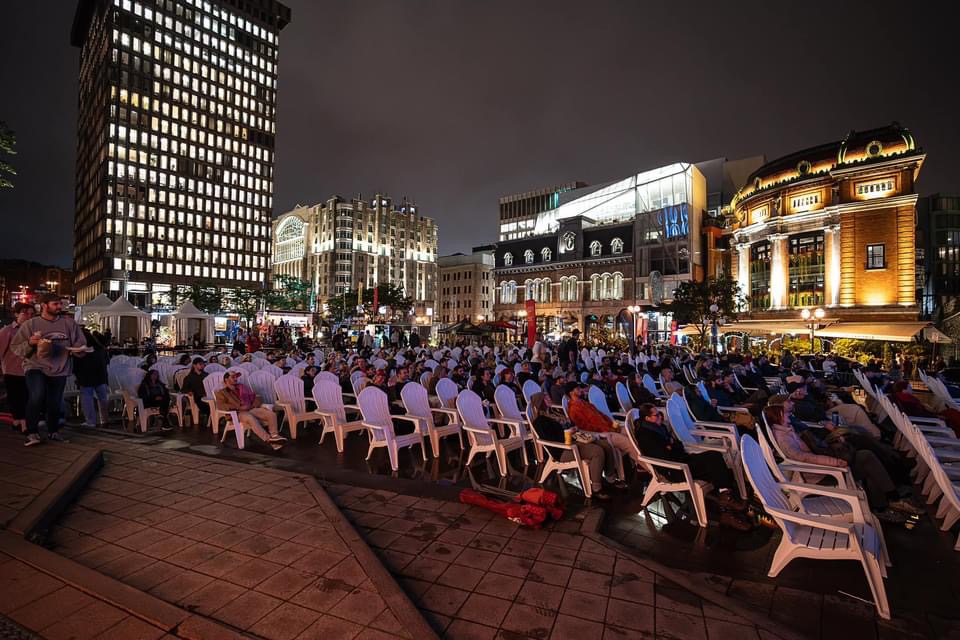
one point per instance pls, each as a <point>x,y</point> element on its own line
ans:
<point>841,475</point>
<point>924,420</point>
<point>508,421</point>
<point>731,438</point>
<point>413,419</point>
<point>352,407</point>
<point>665,464</point>
<point>453,413</point>
<point>724,426</point>
<point>816,523</point>
<point>733,409</point>
<point>550,444</point>
<point>479,430</point>
<point>370,425</point>
<point>850,497</point>
<point>704,446</point>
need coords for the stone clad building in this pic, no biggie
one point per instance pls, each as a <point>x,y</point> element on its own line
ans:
<point>832,226</point>
<point>465,287</point>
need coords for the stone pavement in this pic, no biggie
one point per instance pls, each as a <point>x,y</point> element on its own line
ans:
<point>478,576</point>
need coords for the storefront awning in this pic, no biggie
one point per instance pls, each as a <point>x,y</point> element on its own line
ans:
<point>887,331</point>
<point>765,327</point>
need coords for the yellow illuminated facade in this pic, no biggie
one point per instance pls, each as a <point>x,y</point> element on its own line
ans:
<point>832,226</point>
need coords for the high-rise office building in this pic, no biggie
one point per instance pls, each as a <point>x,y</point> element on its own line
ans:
<point>175,144</point>
<point>340,244</point>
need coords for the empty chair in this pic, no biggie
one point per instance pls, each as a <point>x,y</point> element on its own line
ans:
<point>181,401</point>
<point>508,408</point>
<point>333,412</point>
<point>812,536</point>
<point>375,408</point>
<point>447,393</point>
<point>417,404</point>
<point>482,438</point>
<point>291,401</point>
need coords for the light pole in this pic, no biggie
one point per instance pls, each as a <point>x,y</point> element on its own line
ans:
<point>714,337</point>
<point>634,310</point>
<point>812,321</point>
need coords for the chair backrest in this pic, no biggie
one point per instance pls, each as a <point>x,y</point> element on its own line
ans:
<point>357,383</point>
<point>212,384</point>
<point>259,355</point>
<point>289,390</point>
<point>470,408</point>
<point>329,376</point>
<point>379,363</point>
<point>585,377</point>
<point>599,400</point>
<point>416,402</point>
<point>623,397</point>
<point>499,369</point>
<point>130,379</point>
<point>679,419</point>
<point>262,384</point>
<point>425,377</point>
<point>249,367</point>
<point>588,362</point>
<point>329,399</point>
<point>214,368</point>
<point>447,392</point>
<point>356,374</point>
<point>431,364</point>
<point>530,387</point>
<point>375,408</point>
<point>764,484</point>
<point>272,369</point>
<point>702,388</point>
<point>180,375</point>
<point>506,401</point>
<point>650,385</point>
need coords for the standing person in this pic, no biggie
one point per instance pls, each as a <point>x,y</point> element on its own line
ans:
<point>155,395</point>
<point>570,349</point>
<point>12,366</point>
<point>538,354</point>
<point>91,372</point>
<point>45,343</point>
<point>414,340</point>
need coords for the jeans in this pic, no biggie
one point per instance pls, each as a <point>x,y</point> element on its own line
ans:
<point>44,394</point>
<point>90,414</point>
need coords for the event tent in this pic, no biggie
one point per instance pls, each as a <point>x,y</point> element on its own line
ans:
<point>188,321</point>
<point>126,321</point>
<point>90,312</point>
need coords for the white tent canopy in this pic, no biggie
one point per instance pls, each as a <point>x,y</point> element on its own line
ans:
<point>126,321</point>
<point>189,320</point>
<point>889,331</point>
<point>90,312</point>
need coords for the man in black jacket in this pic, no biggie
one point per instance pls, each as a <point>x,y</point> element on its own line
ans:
<point>193,382</point>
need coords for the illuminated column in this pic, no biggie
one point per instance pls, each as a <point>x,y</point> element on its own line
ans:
<point>832,262</point>
<point>778,270</point>
<point>743,270</point>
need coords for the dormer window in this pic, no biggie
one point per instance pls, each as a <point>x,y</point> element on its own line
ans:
<point>528,256</point>
<point>508,259</point>
<point>546,254</point>
<point>595,248</point>
<point>616,245</point>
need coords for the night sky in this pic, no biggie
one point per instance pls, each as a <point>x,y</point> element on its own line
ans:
<point>455,103</point>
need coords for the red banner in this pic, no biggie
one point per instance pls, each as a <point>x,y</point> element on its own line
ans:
<point>673,332</point>
<point>644,327</point>
<point>531,323</point>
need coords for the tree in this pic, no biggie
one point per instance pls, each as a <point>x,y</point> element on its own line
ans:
<point>692,301</point>
<point>8,142</point>
<point>388,295</point>
<point>245,302</point>
<point>204,295</point>
<point>289,293</point>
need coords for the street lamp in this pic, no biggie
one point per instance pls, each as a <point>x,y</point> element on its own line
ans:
<point>714,320</point>
<point>634,309</point>
<point>812,321</point>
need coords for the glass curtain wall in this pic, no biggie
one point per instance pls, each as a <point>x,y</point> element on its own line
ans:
<point>760,275</point>
<point>806,270</point>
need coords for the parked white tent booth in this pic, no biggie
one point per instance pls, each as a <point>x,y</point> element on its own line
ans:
<point>126,321</point>
<point>90,313</point>
<point>188,321</point>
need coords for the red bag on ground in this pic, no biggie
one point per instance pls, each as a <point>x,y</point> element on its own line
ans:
<point>520,511</point>
<point>544,498</point>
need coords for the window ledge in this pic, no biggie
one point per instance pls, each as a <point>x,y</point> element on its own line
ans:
<point>873,269</point>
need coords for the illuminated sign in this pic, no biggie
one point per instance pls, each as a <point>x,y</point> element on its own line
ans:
<point>675,221</point>
<point>875,188</point>
<point>759,213</point>
<point>805,202</point>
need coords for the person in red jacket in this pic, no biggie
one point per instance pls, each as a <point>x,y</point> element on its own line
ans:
<point>253,342</point>
<point>587,417</point>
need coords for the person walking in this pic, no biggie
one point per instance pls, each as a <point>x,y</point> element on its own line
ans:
<point>12,366</point>
<point>46,344</point>
<point>91,372</point>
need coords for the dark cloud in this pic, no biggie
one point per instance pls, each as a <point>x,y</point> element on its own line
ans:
<point>454,103</point>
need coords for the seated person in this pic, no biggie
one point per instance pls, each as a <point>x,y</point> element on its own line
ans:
<point>154,395</point>
<point>590,452</point>
<point>670,385</point>
<point>911,405</point>
<point>524,374</point>
<point>708,412</point>
<point>309,378</point>
<point>805,407</point>
<point>852,415</point>
<point>639,393</point>
<point>867,469</point>
<point>508,380</point>
<point>657,441</point>
<point>241,398</point>
<point>587,417</point>
<point>483,386</point>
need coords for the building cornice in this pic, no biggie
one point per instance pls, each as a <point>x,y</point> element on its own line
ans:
<point>556,266</point>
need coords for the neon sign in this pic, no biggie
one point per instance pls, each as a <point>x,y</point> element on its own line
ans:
<point>675,221</point>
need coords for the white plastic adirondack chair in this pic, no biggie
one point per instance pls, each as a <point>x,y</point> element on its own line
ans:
<point>431,364</point>
<point>506,401</point>
<point>247,367</point>
<point>375,408</point>
<point>699,435</point>
<point>599,400</point>
<point>262,384</point>
<point>272,369</point>
<point>425,377</point>
<point>214,368</point>
<point>291,401</point>
<point>816,537</point>
<point>212,384</point>
<point>333,412</point>
<point>130,379</point>
<point>482,438</point>
<point>624,398</point>
<point>660,483</point>
<point>417,404</point>
<point>329,376</point>
<point>529,389</point>
<point>181,401</point>
<point>447,393</point>
<point>553,454</point>
<point>651,386</point>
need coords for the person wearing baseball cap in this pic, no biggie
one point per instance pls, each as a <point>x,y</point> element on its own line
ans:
<point>46,344</point>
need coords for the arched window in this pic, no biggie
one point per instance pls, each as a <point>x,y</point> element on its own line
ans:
<point>507,259</point>
<point>616,245</point>
<point>595,248</point>
<point>544,290</point>
<point>546,254</point>
<point>617,286</point>
<point>508,292</point>
<point>528,256</point>
<point>595,293</point>
<point>289,240</point>
<point>530,286</point>
<point>513,292</point>
<point>568,289</point>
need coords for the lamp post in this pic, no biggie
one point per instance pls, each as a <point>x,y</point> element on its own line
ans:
<point>634,310</point>
<point>714,332</point>
<point>812,321</point>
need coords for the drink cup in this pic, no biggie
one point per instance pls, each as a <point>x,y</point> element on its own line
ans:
<point>568,436</point>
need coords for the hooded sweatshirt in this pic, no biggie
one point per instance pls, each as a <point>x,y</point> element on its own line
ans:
<point>50,356</point>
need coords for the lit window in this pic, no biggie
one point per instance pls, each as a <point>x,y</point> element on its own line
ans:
<point>616,245</point>
<point>508,259</point>
<point>875,256</point>
<point>595,248</point>
<point>528,256</point>
<point>546,254</point>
